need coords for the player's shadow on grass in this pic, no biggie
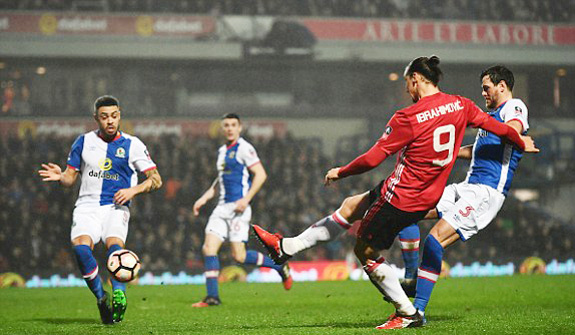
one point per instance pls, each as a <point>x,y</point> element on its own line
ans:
<point>366,324</point>
<point>67,321</point>
<point>362,324</point>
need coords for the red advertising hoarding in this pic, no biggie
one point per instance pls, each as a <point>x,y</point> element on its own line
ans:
<point>363,30</point>
<point>414,31</point>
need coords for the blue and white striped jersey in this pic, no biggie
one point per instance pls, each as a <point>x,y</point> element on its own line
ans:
<point>107,167</point>
<point>494,162</point>
<point>233,163</point>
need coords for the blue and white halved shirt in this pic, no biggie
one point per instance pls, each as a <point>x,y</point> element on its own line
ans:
<point>107,167</point>
<point>494,162</point>
<point>233,164</point>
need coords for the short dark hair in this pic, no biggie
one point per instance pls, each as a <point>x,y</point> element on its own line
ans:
<point>231,116</point>
<point>498,73</point>
<point>427,67</point>
<point>105,100</point>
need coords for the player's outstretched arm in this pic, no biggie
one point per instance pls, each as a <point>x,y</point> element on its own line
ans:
<point>258,180</point>
<point>524,143</point>
<point>152,183</point>
<point>369,160</point>
<point>398,133</point>
<point>529,143</point>
<point>207,196</point>
<point>53,172</point>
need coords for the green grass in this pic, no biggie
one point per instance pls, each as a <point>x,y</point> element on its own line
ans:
<point>506,305</point>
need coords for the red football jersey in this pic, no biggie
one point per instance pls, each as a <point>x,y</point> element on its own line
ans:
<point>428,135</point>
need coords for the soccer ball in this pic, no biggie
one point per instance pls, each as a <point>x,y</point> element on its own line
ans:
<point>124,265</point>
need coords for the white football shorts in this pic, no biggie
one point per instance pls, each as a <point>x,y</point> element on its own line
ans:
<point>100,222</point>
<point>229,225</point>
<point>468,208</point>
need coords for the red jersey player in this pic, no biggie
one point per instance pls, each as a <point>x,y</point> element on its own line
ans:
<point>427,136</point>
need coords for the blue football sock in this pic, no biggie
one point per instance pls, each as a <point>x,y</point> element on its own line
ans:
<point>212,272</point>
<point>89,268</point>
<point>115,284</point>
<point>428,272</point>
<point>257,258</point>
<point>409,239</point>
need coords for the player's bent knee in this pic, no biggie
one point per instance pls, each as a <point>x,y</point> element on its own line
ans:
<point>349,206</point>
<point>238,252</point>
<point>436,235</point>
<point>353,208</point>
<point>83,240</point>
<point>444,233</point>
<point>110,241</point>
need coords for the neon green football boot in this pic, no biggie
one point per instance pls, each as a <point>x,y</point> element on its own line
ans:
<point>119,305</point>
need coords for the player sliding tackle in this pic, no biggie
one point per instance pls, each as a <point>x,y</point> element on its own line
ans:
<point>107,160</point>
<point>429,135</point>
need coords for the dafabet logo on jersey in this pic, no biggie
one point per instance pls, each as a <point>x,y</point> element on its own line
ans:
<point>105,164</point>
<point>104,175</point>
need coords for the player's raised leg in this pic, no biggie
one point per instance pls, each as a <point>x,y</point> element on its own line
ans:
<point>281,249</point>
<point>327,229</point>
<point>210,250</point>
<point>89,268</point>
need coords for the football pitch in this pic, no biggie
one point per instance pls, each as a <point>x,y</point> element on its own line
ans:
<point>504,305</point>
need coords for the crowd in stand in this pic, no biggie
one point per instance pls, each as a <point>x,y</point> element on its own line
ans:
<point>490,10</point>
<point>35,216</point>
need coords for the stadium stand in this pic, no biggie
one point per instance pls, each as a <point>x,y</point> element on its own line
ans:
<point>489,10</point>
